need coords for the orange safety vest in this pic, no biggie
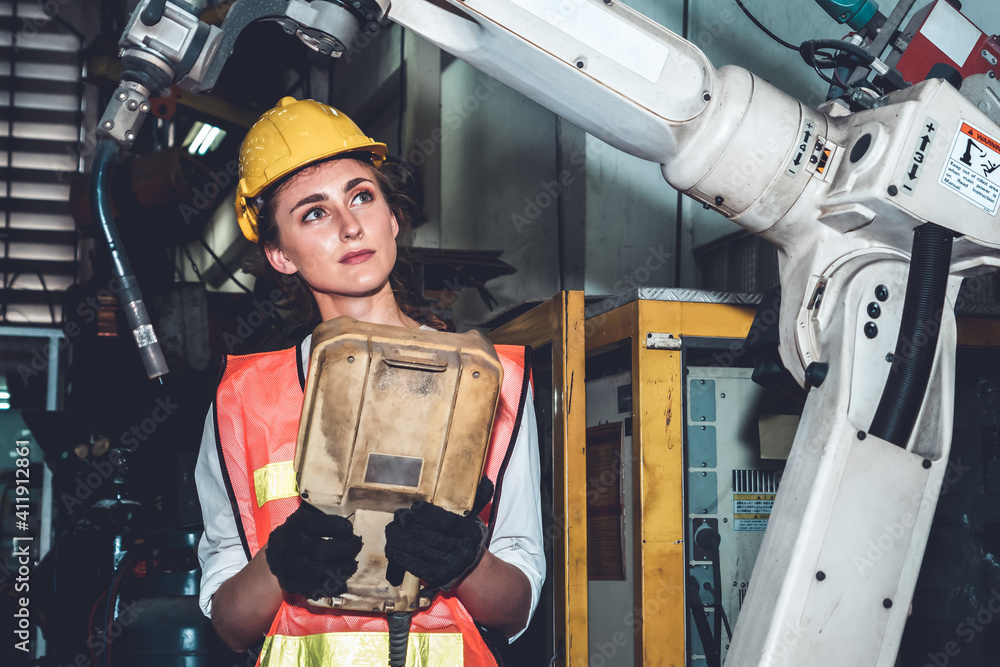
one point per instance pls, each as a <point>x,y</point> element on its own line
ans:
<point>257,410</point>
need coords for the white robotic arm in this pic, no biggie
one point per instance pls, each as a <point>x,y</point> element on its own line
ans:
<point>841,195</point>
<point>847,198</point>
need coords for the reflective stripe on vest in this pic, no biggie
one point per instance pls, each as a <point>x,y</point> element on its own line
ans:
<point>362,649</point>
<point>257,410</point>
<point>274,482</point>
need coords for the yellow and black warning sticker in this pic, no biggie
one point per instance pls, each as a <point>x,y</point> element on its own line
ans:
<point>824,160</point>
<point>751,511</point>
<point>971,170</point>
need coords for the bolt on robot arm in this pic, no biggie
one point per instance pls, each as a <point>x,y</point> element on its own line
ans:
<point>877,216</point>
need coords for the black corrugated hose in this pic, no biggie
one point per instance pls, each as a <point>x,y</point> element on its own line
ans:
<point>399,636</point>
<point>926,285</point>
<point>129,296</point>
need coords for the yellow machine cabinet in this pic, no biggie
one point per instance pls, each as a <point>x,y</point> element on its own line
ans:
<point>674,443</point>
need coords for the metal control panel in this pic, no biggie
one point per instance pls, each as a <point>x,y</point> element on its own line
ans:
<point>730,491</point>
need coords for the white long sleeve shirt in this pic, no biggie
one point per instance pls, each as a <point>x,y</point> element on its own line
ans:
<point>516,539</point>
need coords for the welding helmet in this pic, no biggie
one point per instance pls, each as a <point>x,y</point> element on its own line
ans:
<point>293,134</point>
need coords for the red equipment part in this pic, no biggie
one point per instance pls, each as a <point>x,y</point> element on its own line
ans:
<point>942,34</point>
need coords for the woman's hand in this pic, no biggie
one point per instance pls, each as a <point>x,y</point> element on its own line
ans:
<point>448,551</point>
<point>312,554</point>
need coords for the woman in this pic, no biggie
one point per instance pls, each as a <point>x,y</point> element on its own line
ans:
<point>312,197</point>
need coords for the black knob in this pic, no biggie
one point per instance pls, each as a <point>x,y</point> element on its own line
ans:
<point>816,373</point>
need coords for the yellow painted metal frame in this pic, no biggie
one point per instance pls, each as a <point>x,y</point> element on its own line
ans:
<point>979,331</point>
<point>559,322</point>
<point>657,448</point>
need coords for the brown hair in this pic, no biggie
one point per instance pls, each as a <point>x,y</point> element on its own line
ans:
<point>300,299</point>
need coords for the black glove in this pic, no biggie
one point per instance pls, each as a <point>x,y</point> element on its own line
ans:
<point>434,544</point>
<point>313,553</point>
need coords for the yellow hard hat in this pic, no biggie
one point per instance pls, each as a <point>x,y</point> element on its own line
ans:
<point>288,137</point>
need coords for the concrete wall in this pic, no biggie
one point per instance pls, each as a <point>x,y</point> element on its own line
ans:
<point>498,150</point>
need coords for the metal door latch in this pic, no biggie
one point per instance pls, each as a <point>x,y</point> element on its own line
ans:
<point>662,341</point>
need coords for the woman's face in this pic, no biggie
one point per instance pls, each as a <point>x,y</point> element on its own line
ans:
<point>336,230</point>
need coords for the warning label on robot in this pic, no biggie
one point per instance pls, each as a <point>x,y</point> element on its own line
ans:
<point>751,511</point>
<point>971,170</point>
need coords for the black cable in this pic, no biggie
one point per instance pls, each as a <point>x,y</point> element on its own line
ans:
<point>767,32</point>
<point>725,620</point>
<point>172,252</point>
<point>69,28</point>
<point>700,619</point>
<point>722,610</point>
<point>222,265</point>
<point>194,267</point>
<point>717,597</point>
<point>48,297</point>
<point>840,82</point>
<point>9,284</point>
<point>399,634</point>
<point>402,92</point>
<point>819,73</point>
<point>814,53</point>
<point>840,45</point>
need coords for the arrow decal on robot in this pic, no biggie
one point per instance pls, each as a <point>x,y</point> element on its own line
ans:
<point>919,157</point>
<point>803,149</point>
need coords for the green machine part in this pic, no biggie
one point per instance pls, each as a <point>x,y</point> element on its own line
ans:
<point>855,13</point>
